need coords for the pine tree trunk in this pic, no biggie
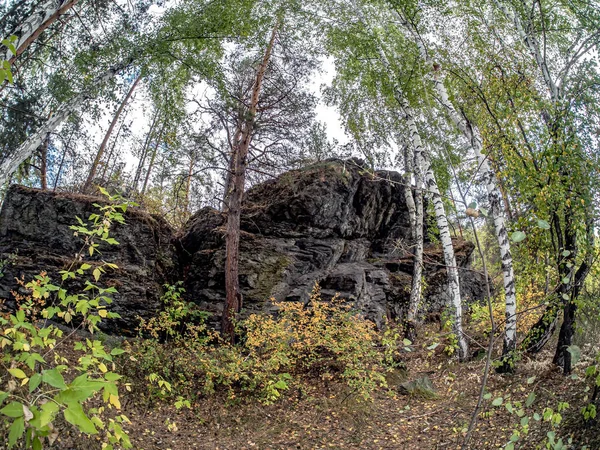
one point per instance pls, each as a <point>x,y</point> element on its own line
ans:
<point>238,165</point>
<point>27,148</point>
<point>92,173</point>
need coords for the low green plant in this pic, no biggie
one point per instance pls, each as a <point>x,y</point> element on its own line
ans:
<point>39,384</point>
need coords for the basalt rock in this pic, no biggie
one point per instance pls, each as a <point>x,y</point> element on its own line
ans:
<point>334,223</point>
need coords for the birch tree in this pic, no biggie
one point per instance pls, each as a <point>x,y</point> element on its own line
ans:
<point>421,173</point>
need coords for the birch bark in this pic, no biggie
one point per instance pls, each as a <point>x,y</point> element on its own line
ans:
<point>25,150</point>
<point>422,173</point>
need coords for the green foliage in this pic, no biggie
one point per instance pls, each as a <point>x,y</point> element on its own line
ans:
<point>5,69</point>
<point>41,383</point>
<point>326,340</point>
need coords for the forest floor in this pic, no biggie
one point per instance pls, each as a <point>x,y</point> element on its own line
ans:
<point>326,416</point>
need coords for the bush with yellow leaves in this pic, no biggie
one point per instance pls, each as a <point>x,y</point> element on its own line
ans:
<point>320,339</point>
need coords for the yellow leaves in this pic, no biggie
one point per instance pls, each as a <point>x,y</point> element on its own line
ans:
<point>17,373</point>
<point>114,400</point>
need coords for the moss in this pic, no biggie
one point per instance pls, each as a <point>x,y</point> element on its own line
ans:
<point>270,273</point>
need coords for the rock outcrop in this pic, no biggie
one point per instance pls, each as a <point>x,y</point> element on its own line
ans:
<point>35,236</point>
<point>333,223</point>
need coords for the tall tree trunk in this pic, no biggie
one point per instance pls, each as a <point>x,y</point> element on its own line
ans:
<point>44,163</point>
<point>449,259</point>
<point>153,157</point>
<point>140,167</point>
<point>44,16</point>
<point>62,161</point>
<point>26,149</point>
<point>112,148</point>
<point>238,165</point>
<point>472,135</point>
<point>188,185</point>
<point>416,285</point>
<point>92,173</point>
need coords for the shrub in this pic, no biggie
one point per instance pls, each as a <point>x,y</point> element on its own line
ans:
<point>38,384</point>
<point>321,339</point>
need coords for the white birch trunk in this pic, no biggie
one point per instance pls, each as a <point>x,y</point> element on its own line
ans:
<point>44,15</point>
<point>533,47</point>
<point>449,259</point>
<point>495,199</point>
<point>26,149</point>
<point>416,287</point>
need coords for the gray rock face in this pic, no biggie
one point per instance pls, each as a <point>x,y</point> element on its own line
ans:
<point>34,229</point>
<point>332,223</point>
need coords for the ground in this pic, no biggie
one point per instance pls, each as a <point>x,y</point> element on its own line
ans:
<point>327,416</point>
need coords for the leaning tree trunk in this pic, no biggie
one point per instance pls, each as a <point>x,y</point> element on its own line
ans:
<point>473,136</point>
<point>27,148</point>
<point>238,165</point>
<point>449,259</point>
<point>113,123</point>
<point>43,16</point>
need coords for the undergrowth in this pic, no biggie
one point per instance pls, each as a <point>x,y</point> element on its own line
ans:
<point>183,359</point>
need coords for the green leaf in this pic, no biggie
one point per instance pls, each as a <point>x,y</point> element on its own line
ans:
<point>531,380</point>
<point>566,253</point>
<point>111,376</point>
<point>96,274</point>
<point>75,415</point>
<point>34,382</point>
<point>54,378</point>
<point>543,224</point>
<point>85,266</point>
<point>472,205</point>
<point>16,431</point>
<point>530,399</point>
<point>518,236</point>
<point>48,412</point>
<point>510,446</point>
<point>13,409</point>
<point>406,342</point>
<point>497,401</point>
<point>117,351</point>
